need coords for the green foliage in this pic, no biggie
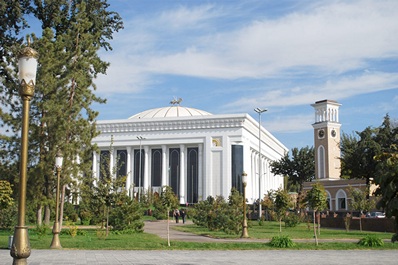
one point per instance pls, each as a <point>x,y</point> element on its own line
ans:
<point>216,214</point>
<point>164,203</point>
<point>299,168</point>
<point>371,241</point>
<point>41,230</point>
<point>126,215</point>
<point>70,213</point>
<point>6,199</point>
<point>281,205</point>
<point>316,197</point>
<point>282,242</point>
<point>72,231</point>
<point>292,220</point>
<point>8,217</point>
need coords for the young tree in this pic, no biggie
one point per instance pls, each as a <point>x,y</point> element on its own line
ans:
<point>169,201</point>
<point>281,204</point>
<point>317,201</point>
<point>299,168</point>
<point>360,202</point>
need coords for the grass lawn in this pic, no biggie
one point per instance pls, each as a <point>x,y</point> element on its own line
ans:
<point>271,229</point>
<point>88,239</point>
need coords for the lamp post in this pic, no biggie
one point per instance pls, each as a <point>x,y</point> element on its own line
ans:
<point>139,170</point>
<point>27,67</point>
<point>56,244</point>
<point>245,234</point>
<point>259,111</point>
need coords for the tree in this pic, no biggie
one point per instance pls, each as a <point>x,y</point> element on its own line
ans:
<point>299,168</point>
<point>387,182</point>
<point>281,204</point>
<point>72,34</point>
<point>169,201</point>
<point>317,201</point>
<point>360,202</point>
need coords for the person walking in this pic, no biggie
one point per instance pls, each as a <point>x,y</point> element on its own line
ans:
<point>177,215</point>
<point>183,215</point>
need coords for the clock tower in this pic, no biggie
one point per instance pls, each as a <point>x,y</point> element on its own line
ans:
<point>327,140</point>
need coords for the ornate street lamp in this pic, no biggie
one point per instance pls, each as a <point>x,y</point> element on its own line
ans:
<point>56,244</point>
<point>27,67</point>
<point>245,234</point>
<point>259,111</point>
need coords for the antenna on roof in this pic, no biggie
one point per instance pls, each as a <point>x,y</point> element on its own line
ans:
<point>176,101</point>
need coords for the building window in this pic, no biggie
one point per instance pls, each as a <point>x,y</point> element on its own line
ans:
<point>139,167</point>
<point>104,165</point>
<point>156,168</point>
<point>121,163</point>
<point>341,200</point>
<point>321,162</point>
<point>192,175</point>
<point>237,167</point>
<point>174,170</point>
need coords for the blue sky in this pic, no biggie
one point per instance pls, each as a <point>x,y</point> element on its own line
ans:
<point>231,56</point>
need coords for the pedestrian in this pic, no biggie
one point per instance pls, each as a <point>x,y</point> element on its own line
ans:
<point>183,215</point>
<point>177,215</point>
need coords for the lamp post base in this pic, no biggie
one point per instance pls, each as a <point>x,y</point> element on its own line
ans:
<point>56,243</point>
<point>245,233</point>
<point>20,247</point>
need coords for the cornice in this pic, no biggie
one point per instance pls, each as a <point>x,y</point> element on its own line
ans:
<point>149,125</point>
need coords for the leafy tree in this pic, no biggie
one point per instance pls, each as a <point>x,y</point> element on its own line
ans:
<point>317,201</point>
<point>360,202</point>
<point>72,34</point>
<point>281,205</point>
<point>7,205</point>
<point>126,214</point>
<point>299,168</point>
<point>387,182</point>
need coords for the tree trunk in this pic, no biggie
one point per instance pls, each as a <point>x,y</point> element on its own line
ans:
<point>107,221</point>
<point>168,227</point>
<point>47,213</point>
<point>316,238</point>
<point>39,215</point>
<point>318,217</point>
<point>61,207</point>
<point>280,225</point>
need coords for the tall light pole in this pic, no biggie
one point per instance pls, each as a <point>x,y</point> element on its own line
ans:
<point>56,244</point>
<point>245,234</point>
<point>259,111</point>
<point>27,68</point>
<point>139,170</point>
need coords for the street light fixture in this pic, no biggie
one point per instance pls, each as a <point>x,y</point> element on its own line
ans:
<point>245,234</point>
<point>27,67</point>
<point>259,111</point>
<point>139,171</point>
<point>56,244</point>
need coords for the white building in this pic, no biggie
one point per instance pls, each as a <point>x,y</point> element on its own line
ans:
<point>196,153</point>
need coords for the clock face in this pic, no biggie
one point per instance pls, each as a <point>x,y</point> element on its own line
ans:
<point>321,133</point>
<point>333,133</point>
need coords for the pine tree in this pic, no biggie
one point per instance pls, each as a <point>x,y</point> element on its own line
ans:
<point>73,32</point>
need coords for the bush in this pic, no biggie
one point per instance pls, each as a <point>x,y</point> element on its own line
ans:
<point>282,242</point>
<point>291,220</point>
<point>8,217</point>
<point>371,241</point>
<point>127,215</point>
<point>41,230</point>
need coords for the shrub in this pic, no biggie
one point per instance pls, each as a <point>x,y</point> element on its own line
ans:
<point>72,229</point>
<point>371,241</point>
<point>282,242</point>
<point>291,220</point>
<point>41,230</point>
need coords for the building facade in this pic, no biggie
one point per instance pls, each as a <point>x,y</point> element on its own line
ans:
<point>196,153</point>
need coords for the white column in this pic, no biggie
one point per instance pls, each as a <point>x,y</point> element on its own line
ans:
<point>182,174</point>
<point>200,172</point>
<point>95,167</point>
<point>146,168</point>
<point>129,187</point>
<point>112,163</point>
<point>164,166</point>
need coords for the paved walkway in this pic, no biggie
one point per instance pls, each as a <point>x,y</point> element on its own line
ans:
<point>191,257</point>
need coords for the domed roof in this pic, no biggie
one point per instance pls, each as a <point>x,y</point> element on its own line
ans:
<point>170,112</point>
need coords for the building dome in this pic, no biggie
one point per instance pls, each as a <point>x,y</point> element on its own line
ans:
<point>170,112</point>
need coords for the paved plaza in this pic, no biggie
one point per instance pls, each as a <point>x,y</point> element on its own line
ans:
<point>187,257</point>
